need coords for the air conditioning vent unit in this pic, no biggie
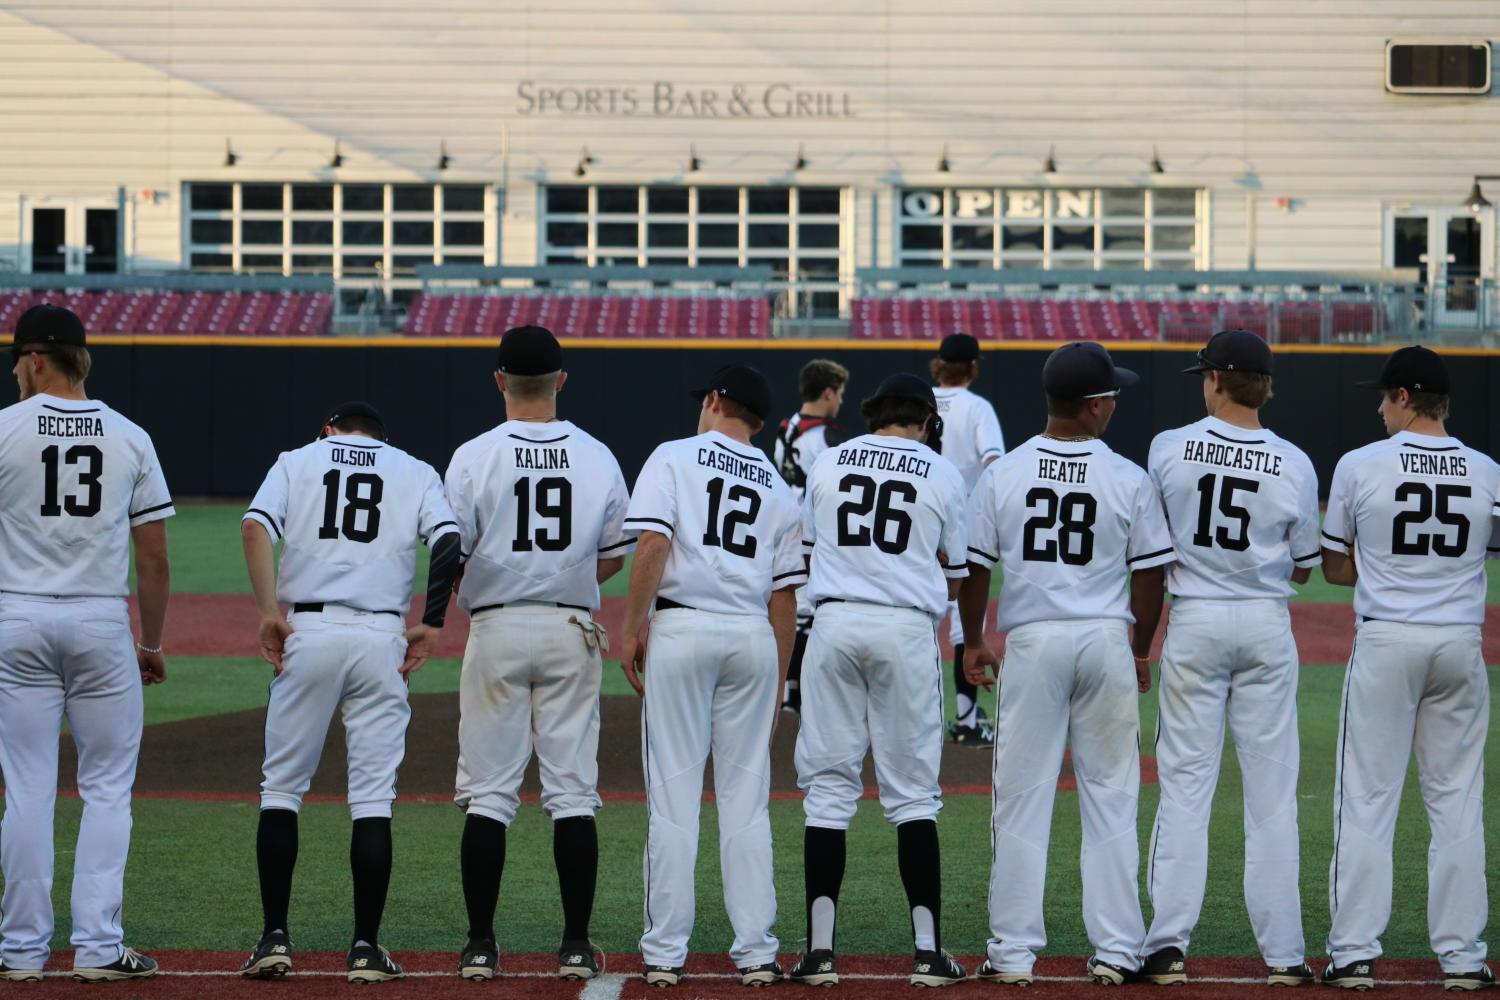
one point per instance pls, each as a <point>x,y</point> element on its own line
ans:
<point>1437,67</point>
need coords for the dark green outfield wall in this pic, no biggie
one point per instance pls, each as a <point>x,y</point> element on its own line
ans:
<point>220,414</point>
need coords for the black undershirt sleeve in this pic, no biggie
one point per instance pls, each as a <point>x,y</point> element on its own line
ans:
<point>442,569</point>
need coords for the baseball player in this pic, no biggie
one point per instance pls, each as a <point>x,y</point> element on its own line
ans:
<point>1084,545</point>
<point>1409,521</point>
<point>539,505</point>
<point>1243,508</point>
<point>718,558</point>
<point>804,436</point>
<point>971,441</point>
<point>79,484</point>
<point>884,523</point>
<point>348,510</point>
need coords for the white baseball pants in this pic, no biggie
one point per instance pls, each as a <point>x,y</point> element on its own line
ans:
<point>530,682</point>
<point>70,659</point>
<point>871,678</point>
<point>1422,688</point>
<point>1234,658</point>
<point>338,659</point>
<point>1066,682</point>
<point>710,685</point>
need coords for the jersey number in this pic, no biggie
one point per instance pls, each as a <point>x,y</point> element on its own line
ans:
<point>362,493</point>
<point>721,535</point>
<point>1426,543</point>
<point>80,454</point>
<point>1072,515</point>
<point>554,499</point>
<point>1225,536</point>
<point>890,530</point>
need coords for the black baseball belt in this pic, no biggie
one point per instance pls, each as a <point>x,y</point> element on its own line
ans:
<point>533,604</point>
<point>313,607</point>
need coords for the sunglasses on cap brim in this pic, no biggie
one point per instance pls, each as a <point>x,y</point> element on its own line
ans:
<point>1107,394</point>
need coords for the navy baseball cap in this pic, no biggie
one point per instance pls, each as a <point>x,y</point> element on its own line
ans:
<point>47,324</point>
<point>744,385</point>
<point>905,386</point>
<point>1413,368</point>
<point>355,408</point>
<point>1083,370</point>
<point>1233,351</point>
<point>529,350</point>
<point>959,347</point>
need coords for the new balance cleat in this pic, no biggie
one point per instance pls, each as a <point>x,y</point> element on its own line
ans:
<point>768,974</point>
<point>131,965</point>
<point>1480,979</point>
<point>577,964</point>
<point>372,964</point>
<point>1290,975</point>
<point>816,968</point>
<point>271,959</point>
<point>1103,973</point>
<point>479,961</point>
<point>990,974</point>
<point>935,968</point>
<point>662,976</point>
<point>1165,968</point>
<point>1354,976</point>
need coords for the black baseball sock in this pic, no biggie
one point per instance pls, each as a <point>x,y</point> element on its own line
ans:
<point>370,861</point>
<point>276,857</point>
<point>575,850</point>
<point>482,860</point>
<point>823,873</point>
<point>965,695</point>
<point>918,855</point>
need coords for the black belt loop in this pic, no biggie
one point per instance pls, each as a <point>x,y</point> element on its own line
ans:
<point>313,607</point>
<point>667,604</point>
<point>829,600</point>
<point>555,604</point>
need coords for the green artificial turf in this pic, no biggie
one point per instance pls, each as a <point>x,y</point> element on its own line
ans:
<point>191,879</point>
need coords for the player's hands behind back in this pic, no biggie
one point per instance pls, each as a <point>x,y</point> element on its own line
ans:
<point>981,666</point>
<point>274,631</point>
<point>421,643</point>
<point>633,662</point>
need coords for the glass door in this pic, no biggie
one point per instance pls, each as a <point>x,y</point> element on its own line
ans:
<point>71,235</point>
<point>1451,250</point>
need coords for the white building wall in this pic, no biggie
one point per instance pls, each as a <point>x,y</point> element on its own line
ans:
<point>1278,99</point>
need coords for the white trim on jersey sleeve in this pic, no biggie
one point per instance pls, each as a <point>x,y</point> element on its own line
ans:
<point>150,500</point>
<point>987,433</point>
<point>436,517</point>
<point>653,505</point>
<point>1150,539</point>
<point>789,567</point>
<point>956,531</point>
<point>268,507</point>
<point>614,541</point>
<point>1304,531</point>
<point>980,517</point>
<point>1336,531</point>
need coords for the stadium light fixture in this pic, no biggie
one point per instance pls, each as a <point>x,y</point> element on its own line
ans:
<point>584,162</point>
<point>943,165</point>
<point>1049,166</point>
<point>1156,165</point>
<point>801,162</point>
<point>443,158</point>
<point>1476,202</point>
<point>693,162</point>
<point>230,158</point>
<point>338,156</point>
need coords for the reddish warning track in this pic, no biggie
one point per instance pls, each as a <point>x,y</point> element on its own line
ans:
<point>197,974</point>
<point>226,625</point>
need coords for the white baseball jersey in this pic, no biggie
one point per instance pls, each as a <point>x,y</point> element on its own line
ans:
<point>1418,513</point>
<point>1242,506</point>
<point>879,512</point>
<point>349,510</point>
<point>538,505</point>
<point>1069,521</point>
<point>75,477</point>
<point>733,522</point>
<point>801,440</point>
<point>971,431</point>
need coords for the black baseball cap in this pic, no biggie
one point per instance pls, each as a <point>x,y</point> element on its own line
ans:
<point>1084,369</point>
<point>47,324</point>
<point>1414,368</point>
<point>959,347</point>
<point>905,386</point>
<point>355,408</point>
<point>744,385</point>
<point>529,350</point>
<point>1233,351</point>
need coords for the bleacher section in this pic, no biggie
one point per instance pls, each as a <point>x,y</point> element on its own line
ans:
<point>274,314</point>
<point>572,315</point>
<point>1184,320</point>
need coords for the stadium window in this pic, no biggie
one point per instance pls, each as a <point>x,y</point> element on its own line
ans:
<point>1083,228</point>
<point>363,231</point>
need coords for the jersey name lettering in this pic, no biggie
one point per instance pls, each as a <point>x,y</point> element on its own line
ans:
<point>1424,464</point>
<point>352,456</point>
<point>69,427</point>
<point>885,461</point>
<point>542,458</point>
<point>723,461</point>
<point>1232,456</point>
<point>1062,470</point>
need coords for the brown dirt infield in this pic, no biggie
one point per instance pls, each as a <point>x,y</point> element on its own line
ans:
<point>226,625</point>
<point>195,974</point>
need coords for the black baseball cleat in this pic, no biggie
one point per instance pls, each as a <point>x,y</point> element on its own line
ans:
<point>990,974</point>
<point>1102,973</point>
<point>479,960</point>
<point>981,734</point>
<point>577,964</point>
<point>768,974</point>
<point>662,976</point>
<point>935,968</point>
<point>1290,975</point>
<point>369,963</point>
<point>1354,976</point>
<point>1480,979</point>
<point>131,965</point>
<point>271,959</point>
<point>1165,968</point>
<point>19,975</point>
<point>816,968</point>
